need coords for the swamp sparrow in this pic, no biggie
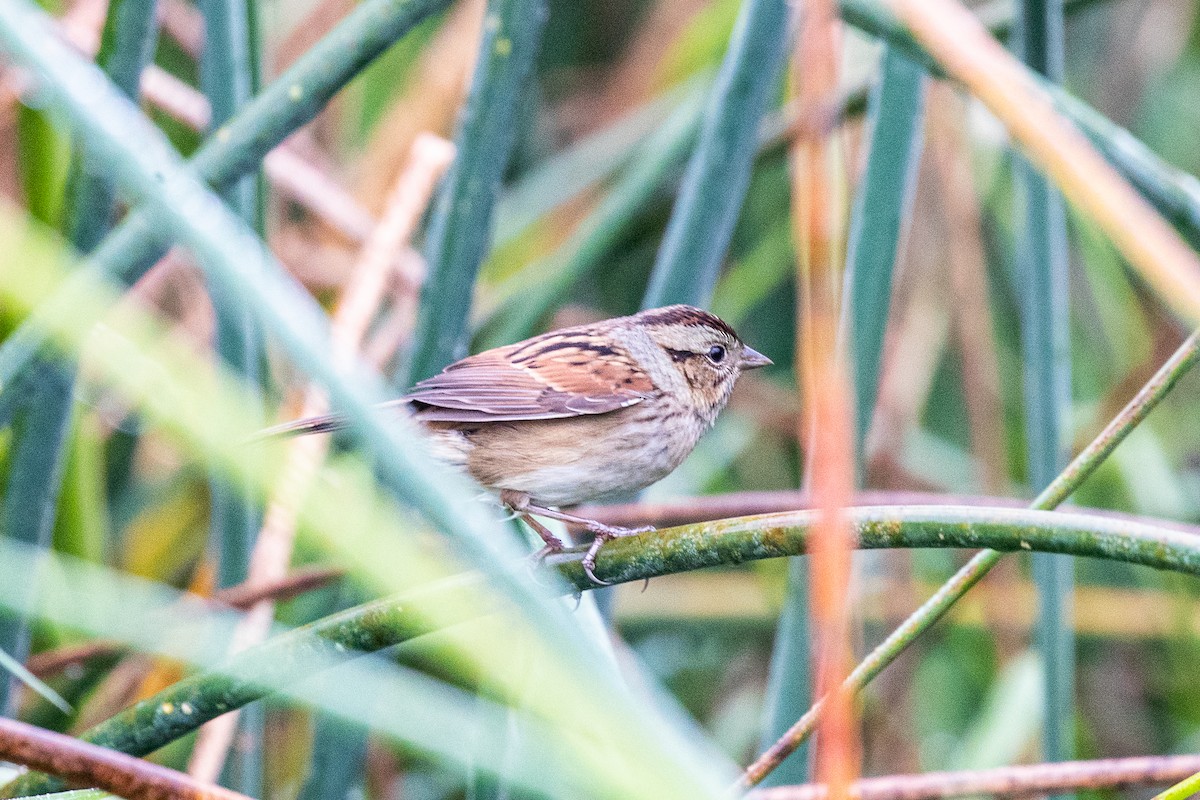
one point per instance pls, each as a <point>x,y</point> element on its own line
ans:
<point>579,413</point>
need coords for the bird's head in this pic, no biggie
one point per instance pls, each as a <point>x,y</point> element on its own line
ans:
<point>704,350</point>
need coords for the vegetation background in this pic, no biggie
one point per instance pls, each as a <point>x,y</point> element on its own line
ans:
<point>601,156</point>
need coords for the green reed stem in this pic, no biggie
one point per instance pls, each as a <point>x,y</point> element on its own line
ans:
<point>460,228</point>
<point>229,77</point>
<point>1042,259</point>
<point>882,210</point>
<point>718,174</point>
<point>1186,788</point>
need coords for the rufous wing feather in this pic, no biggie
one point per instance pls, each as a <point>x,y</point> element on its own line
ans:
<point>566,373</point>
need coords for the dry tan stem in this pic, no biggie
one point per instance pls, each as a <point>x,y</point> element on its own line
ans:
<point>183,23</point>
<point>971,311</point>
<point>355,309</point>
<point>178,100</point>
<point>295,177</point>
<point>1115,773</point>
<point>969,54</point>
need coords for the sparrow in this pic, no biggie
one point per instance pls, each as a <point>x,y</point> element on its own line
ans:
<point>578,414</point>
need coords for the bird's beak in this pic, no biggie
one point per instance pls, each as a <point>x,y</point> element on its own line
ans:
<point>752,359</point>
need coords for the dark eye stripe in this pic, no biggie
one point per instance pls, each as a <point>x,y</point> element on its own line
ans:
<point>679,356</point>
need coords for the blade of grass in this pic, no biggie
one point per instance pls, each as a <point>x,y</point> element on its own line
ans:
<point>1042,261</point>
<point>17,669</point>
<point>718,174</point>
<point>460,229</point>
<point>881,215</point>
<point>126,47</point>
<point>228,77</point>
<point>592,160</point>
<point>31,495</point>
<point>789,683</point>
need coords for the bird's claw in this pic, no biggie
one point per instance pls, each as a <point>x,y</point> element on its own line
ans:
<point>603,533</point>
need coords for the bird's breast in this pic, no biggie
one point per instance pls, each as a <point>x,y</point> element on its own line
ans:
<point>562,462</point>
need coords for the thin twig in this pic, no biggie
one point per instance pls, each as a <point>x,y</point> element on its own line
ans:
<point>1066,776</point>
<point>51,662</point>
<point>246,594</point>
<point>176,99</point>
<point>88,765</point>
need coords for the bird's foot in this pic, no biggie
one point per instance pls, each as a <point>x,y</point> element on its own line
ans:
<point>604,533</point>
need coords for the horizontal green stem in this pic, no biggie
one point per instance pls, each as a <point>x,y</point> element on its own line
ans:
<point>288,658</point>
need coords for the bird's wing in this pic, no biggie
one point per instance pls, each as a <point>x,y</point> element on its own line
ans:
<point>560,374</point>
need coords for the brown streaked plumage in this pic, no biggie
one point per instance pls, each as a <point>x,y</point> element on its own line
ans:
<point>579,413</point>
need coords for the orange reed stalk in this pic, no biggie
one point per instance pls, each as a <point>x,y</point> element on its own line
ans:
<point>818,215</point>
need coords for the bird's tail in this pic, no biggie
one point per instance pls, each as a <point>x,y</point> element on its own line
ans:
<point>325,423</point>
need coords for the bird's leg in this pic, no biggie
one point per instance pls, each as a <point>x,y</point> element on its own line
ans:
<point>553,543</point>
<point>518,503</point>
<point>601,532</point>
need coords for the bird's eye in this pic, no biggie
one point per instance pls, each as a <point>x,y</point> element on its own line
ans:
<point>716,354</point>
